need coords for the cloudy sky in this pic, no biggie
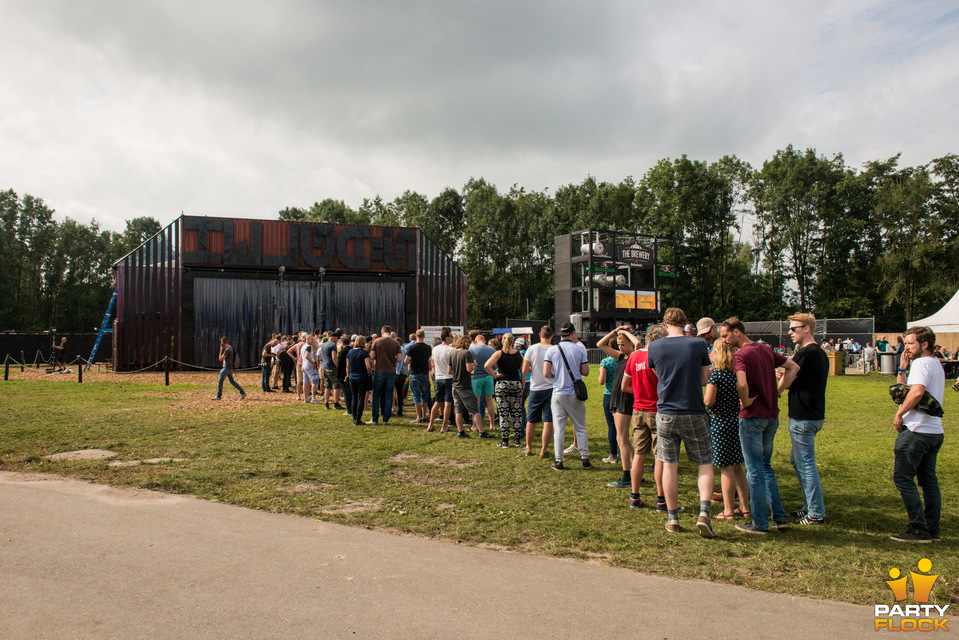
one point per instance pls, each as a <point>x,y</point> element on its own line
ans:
<point>117,109</point>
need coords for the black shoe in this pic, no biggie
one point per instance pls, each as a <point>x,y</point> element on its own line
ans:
<point>587,464</point>
<point>808,519</point>
<point>557,466</point>
<point>799,513</point>
<point>635,501</point>
<point>503,444</point>
<point>336,405</point>
<point>462,434</point>
<point>517,442</point>
<point>781,525</point>
<point>912,535</point>
<point>486,436</point>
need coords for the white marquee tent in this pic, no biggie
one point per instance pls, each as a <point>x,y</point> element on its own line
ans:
<point>946,320</point>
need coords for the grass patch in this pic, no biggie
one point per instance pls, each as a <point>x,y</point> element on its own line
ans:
<point>280,456</point>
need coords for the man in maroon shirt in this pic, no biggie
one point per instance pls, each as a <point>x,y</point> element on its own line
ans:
<point>755,366</point>
<point>385,353</point>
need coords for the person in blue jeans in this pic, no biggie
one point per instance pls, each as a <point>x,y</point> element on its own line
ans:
<point>226,373</point>
<point>807,410</point>
<point>417,359</point>
<point>385,354</point>
<point>755,367</point>
<point>920,437</point>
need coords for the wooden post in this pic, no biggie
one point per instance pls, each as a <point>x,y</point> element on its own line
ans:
<point>166,370</point>
<point>6,369</point>
<point>23,361</point>
<point>80,372</point>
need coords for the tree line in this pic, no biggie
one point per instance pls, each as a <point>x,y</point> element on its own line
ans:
<point>803,232</point>
<point>57,274</point>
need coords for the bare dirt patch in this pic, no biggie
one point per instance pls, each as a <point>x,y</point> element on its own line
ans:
<point>307,487</point>
<point>354,506</point>
<point>82,454</point>
<point>410,476</point>
<point>436,461</point>
<point>133,463</point>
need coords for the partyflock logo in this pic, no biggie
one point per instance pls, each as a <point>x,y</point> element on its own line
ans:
<point>912,617</point>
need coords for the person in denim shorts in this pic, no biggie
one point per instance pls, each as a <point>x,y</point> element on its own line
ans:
<point>681,364</point>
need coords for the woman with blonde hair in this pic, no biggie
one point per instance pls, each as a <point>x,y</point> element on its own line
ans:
<point>722,402</point>
<point>504,366</point>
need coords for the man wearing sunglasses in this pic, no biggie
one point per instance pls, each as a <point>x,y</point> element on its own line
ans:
<point>807,409</point>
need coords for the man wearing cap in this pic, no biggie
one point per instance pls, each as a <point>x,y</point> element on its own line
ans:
<point>564,402</point>
<point>706,329</point>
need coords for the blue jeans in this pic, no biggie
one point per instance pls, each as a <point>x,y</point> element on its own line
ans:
<point>803,458</point>
<point>227,374</point>
<point>916,460</point>
<point>756,436</point>
<point>265,380</point>
<point>420,387</point>
<point>610,427</point>
<point>384,382</point>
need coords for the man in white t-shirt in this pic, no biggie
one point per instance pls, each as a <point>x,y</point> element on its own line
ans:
<point>442,380</point>
<point>564,403</point>
<point>920,437</point>
<point>540,392</point>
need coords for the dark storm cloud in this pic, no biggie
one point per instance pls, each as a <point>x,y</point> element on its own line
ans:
<point>116,109</point>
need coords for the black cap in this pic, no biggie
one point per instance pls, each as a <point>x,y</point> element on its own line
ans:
<point>338,333</point>
<point>567,329</point>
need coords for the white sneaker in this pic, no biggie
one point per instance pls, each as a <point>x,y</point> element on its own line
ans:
<point>611,459</point>
<point>570,449</point>
<point>315,401</point>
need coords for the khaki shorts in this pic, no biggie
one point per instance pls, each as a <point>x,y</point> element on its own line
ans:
<point>644,432</point>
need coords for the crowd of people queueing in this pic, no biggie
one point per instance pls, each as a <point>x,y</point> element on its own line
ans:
<point>654,402</point>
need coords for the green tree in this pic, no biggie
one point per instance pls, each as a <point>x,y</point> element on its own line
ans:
<point>328,211</point>
<point>795,195</point>
<point>138,231</point>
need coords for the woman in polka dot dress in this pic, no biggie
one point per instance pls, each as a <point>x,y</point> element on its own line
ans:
<point>722,400</point>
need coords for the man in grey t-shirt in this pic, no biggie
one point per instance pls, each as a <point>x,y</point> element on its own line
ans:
<point>331,384</point>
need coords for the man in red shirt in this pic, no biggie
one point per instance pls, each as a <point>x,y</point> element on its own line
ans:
<point>640,380</point>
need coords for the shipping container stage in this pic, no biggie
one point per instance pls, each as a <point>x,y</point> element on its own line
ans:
<point>201,278</point>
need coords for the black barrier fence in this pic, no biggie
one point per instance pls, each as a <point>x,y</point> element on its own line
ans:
<point>37,346</point>
<point>776,332</point>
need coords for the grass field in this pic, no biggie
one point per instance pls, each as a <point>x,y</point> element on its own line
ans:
<point>270,453</point>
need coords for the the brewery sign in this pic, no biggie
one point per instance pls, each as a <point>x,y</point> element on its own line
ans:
<point>637,254</point>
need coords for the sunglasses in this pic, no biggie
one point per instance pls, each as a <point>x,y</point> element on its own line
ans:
<point>792,329</point>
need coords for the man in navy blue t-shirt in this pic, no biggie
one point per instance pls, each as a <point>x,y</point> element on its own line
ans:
<point>682,364</point>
